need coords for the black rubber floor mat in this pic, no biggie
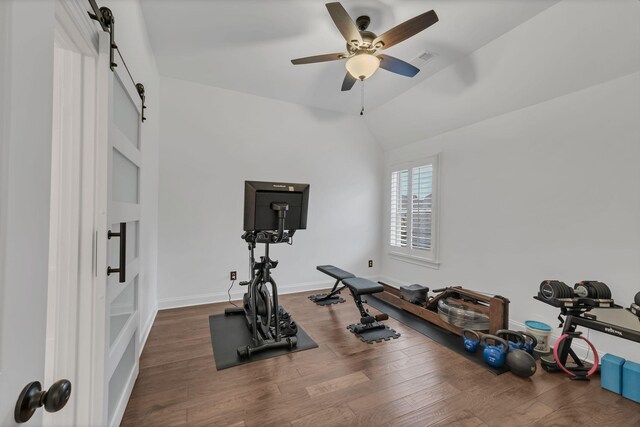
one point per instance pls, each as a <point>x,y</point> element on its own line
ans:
<point>230,332</point>
<point>337,299</point>
<point>375,335</point>
<point>436,333</point>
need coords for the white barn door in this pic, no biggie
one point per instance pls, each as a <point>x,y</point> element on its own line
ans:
<point>123,257</point>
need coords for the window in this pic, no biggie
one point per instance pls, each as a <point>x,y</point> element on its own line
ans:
<point>413,213</point>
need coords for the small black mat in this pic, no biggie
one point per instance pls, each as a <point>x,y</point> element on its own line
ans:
<point>436,333</point>
<point>375,335</point>
<point>230,332</point>
<point>336,299</point>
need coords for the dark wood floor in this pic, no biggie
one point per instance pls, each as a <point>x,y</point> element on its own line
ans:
<point>411,381</point>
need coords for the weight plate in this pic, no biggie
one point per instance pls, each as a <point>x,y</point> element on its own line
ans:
<point>562,290</point>
<point>637,299</point>
<point>599,291</point>
<point>606,292</point>
<point>570,291</point>
<point>546,290</point>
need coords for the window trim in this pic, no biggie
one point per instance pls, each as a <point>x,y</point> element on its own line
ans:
<point>408,254</point>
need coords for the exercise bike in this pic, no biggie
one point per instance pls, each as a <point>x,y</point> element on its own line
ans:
<point>271,327</point>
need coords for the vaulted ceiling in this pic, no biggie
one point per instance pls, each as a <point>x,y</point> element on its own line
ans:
<point>247,45</point>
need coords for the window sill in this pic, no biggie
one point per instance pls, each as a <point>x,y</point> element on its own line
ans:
<point>415,260</point>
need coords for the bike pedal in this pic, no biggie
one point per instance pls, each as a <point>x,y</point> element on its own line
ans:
<point>244,283</point>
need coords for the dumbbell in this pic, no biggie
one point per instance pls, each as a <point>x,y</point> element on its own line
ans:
<point>592,289</point>
<point>635,306</point>
<point>554,289</point>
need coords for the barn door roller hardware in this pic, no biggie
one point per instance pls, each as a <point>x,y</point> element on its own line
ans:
<point>105,17</point>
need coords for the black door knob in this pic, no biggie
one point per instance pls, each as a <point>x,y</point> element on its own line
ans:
<point>32,397</point>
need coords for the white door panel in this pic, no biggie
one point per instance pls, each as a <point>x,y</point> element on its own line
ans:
<point>123,210</point>
<point>26,98</point>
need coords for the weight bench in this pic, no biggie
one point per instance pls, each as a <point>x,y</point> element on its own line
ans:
<point>370,328</point>
<point>332,297</point>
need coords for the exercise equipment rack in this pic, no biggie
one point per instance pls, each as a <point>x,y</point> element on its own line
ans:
<point>575,312</point>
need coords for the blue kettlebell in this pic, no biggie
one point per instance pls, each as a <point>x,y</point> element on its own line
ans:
<point>530,342</point>
<point>470,344</point>
<point>515,339</point>
<point>494,354</point>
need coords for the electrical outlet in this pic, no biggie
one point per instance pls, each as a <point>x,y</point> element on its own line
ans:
<point>233,275</point>
<point>370,263</point>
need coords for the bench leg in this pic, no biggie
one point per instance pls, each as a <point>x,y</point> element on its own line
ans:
<point>367,321</point>
<point>332,297</point>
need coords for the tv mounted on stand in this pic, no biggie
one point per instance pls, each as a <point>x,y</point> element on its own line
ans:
<point>273,211</point>
<point>259,198</point>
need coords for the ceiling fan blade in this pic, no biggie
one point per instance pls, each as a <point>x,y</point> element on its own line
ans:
<point>407,29</point>
<point>348,82</point>
<point>397,66</point>
<point>343,21</point>
<point>319,58</point>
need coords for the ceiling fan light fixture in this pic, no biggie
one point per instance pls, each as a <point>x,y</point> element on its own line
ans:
<point>362,65</point>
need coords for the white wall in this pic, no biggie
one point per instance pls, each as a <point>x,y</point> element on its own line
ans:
<point>212,140</point>
<point>133,42</point>
<point>572,45</point>
<point>539,135</point>
<point>546,192</point>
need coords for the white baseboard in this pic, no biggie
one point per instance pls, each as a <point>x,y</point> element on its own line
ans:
<point>237,293</point>
<point>147,329</point>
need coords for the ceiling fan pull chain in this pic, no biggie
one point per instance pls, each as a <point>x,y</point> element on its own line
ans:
<point>362,98</point>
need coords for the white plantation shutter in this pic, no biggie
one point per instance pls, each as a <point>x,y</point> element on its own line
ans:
<point>399,207</point>
<point>421,208</point>
<point>412,215</point>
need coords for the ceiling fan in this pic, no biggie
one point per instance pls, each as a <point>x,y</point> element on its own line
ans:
<point>362,45</point>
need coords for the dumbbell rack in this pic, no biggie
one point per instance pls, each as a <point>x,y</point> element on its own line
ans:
<point>583,304</point>
<point>576,313</point>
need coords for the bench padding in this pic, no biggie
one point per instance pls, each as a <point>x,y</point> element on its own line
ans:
<point>363,286</point>
<point>335,272</point>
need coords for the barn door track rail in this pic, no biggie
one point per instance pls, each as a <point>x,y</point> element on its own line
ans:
<point>104,16</point>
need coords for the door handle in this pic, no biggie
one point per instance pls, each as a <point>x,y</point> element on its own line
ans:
<point>121,270</point>
<point>33,397</point>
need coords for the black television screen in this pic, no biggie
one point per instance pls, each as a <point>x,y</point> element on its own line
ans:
<point>258,197</point>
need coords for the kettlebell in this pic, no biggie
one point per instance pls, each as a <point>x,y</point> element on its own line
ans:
<point>494,354</point>
<point>515,339</point>
<point>470,344</point>
<point>530,342</point>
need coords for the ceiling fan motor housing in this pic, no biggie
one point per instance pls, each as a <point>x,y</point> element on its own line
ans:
<point>363,22</point>
<point>367,42</point>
